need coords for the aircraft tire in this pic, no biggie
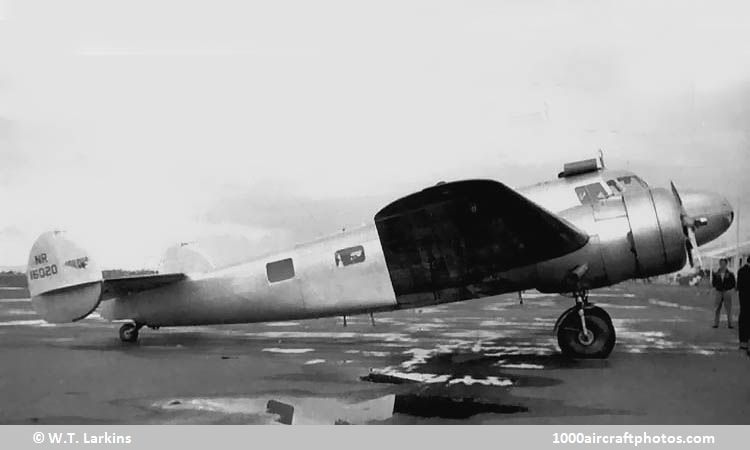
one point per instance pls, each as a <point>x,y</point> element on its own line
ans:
<point>129,333</point>
<point>597,345</point>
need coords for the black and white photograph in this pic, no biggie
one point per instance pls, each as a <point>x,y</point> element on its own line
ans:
<point>414,212</point>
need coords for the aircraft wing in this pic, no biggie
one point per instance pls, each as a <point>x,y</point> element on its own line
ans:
<point>451,241</point>
<point>121,287</point>
<point>727,250</point>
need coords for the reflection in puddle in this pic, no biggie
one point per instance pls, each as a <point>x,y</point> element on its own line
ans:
<point>289,410</point>
<point>396,377</point>
<point>449,408</point>
<point>330,411</point>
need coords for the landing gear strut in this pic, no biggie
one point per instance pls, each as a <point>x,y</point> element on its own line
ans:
<point>585,330</point>
<point>129,332</point>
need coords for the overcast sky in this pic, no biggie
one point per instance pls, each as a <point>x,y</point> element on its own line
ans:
<point>136,124</point>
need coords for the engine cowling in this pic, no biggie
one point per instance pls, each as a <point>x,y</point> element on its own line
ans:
<point>637,235</point>
<point>658,239</point>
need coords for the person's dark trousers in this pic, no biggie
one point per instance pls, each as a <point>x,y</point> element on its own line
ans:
<point>744,320</point>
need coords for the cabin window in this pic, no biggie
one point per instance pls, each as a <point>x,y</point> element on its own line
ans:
<point>280,270</point>
<point>349,256</point>
<point>591,193</point>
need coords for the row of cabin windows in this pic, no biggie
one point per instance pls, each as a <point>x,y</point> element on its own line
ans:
<point>284,269</point>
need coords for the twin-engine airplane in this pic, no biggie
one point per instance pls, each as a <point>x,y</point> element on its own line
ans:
<point>591,227</point>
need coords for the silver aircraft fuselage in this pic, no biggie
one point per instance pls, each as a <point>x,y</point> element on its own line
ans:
<point>620,214</point>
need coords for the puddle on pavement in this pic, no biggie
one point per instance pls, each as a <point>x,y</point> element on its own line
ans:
<point>332,411</point>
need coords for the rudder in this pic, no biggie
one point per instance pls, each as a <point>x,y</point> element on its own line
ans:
<point>64,282</point>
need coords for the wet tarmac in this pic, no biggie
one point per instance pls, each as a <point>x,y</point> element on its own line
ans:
<point>489,361</point>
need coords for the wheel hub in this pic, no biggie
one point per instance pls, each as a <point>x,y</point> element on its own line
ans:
<point>595,339</point>
<point>586,337</point>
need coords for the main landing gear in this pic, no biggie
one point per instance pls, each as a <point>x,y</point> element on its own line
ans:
<point>585,330</point>
<point>129,332</point>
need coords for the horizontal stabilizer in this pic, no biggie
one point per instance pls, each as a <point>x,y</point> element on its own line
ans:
<point>121,287</point>
<point>66,284</point>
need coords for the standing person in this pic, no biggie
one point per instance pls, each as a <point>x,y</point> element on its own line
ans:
<point>743,289</point>
<point>724,282</point>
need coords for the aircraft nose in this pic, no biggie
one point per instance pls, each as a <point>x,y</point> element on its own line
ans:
<point>712,213</point>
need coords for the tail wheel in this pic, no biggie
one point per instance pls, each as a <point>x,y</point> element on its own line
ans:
<point>598,340</point>
<point>129,332</point>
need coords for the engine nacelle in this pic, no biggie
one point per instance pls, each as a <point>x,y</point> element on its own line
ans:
<point>657,232</point>
<point>637,235</point>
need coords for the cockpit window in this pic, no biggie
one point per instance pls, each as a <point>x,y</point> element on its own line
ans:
<point>631,181</point>
<point>626,183</point>
<point>615,187</point>
<point>591,193</point>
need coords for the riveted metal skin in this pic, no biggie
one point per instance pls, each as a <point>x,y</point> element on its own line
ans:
<point>448,243</point>
<point>634,236</point>
<point>657,233</point>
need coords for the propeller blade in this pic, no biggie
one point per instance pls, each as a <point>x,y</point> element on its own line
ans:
<point>694,251</point>
<point>676,195</point>
<point>689,248</point>
<point>688,227</point>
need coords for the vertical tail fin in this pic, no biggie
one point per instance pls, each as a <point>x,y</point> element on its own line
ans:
<point>64,282</point>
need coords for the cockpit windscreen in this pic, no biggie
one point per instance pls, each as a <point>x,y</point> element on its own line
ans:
<point>626,183</point>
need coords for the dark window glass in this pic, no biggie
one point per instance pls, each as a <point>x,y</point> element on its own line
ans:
<point>632,181</point>
<point>614,186</point>
<point>591,193</point>
<point>597,191</point>
<point>280,270</point>
<point>583,194</point>
<point>350,255</point>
